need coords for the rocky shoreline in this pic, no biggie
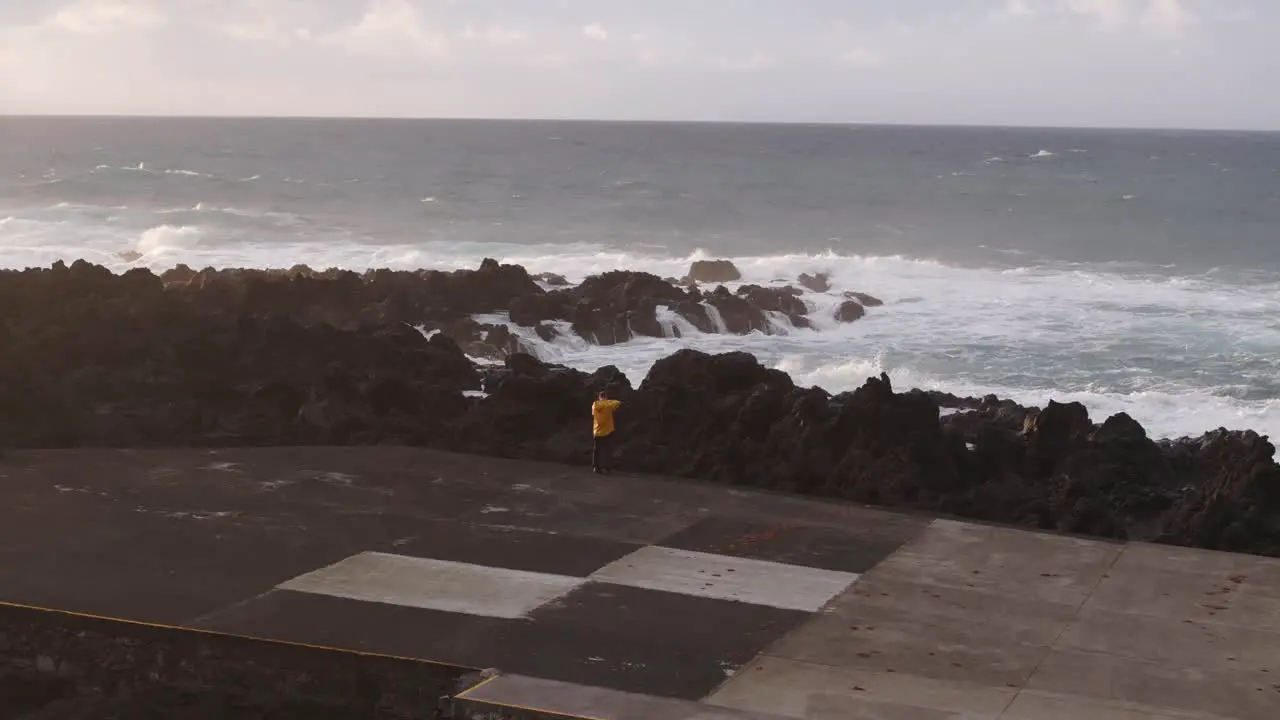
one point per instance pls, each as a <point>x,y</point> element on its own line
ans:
<point>247,357</point>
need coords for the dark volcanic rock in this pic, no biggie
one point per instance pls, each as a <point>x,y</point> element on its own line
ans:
<point>713,271</point>
<point>865,299</point>
<point>551,278</point>
<point>849,311</point>
<point>332,357</point>
<point>532,310</point>
<point>785,300</point>
<point>617,306</point>
<point>818,282</point>
<point>739,315</point>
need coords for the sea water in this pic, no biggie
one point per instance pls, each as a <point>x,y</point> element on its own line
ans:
<point>1134,271</point>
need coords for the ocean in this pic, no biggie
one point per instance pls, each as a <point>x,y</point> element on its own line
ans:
<point>1134,271</point>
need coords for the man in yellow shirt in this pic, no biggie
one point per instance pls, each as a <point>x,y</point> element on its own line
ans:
<point>602,432</point>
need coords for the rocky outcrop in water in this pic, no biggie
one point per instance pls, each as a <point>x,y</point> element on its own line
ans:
<point>605,309</point>
<point>713,271</point>
<point>817,282</point>
<point>244,358</point>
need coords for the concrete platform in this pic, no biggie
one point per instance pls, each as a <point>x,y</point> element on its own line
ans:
<point>628,597</point>
<point>973,622</point>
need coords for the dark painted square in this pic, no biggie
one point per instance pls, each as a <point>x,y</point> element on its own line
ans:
<point>492,546</point>
<point>628,639</point>
<point>327,621</point>
<point>805,545</point>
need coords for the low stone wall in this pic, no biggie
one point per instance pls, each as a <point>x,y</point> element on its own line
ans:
<point>79,656</point>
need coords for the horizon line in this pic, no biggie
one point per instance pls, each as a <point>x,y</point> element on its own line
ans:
<point>636,121</point>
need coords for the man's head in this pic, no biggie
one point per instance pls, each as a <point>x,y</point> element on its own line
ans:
<point>603,395</point>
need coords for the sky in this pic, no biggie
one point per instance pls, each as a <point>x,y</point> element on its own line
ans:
<point>1109,63</point>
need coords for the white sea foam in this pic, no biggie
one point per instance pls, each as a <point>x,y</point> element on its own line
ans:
<point>1044,154</point>
<point>166,240</point>
<point>675,325</point>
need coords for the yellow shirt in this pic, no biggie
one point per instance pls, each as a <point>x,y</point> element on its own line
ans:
<point>602,417</point>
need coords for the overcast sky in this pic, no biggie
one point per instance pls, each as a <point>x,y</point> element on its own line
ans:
<point>1161,63</point>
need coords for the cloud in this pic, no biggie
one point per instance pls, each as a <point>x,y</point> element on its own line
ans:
<point>495,35</point>
<point>1017,8</point>
<point>1198,62</point>
<point>1160,16</point>
<point>1110,14</point>
<point>391,29</point>
<point>757,60</point>
<point>1166,16</point>
<point>101,17</point>
<point>862,58</point>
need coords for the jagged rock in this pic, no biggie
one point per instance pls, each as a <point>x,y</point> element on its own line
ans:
<point>713,271</point>
<point>865,299</point>
<point>533,310</point>
<point>849,311</point>
<point>697,315</point>
<point>551,278</point>
<point>739,315</point>
<point>818,282</point>
<point>785,300</point>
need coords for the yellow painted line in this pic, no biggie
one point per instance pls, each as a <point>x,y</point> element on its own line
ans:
<point>478,685</point>
<point>215,633</point>
<point>464,695</point>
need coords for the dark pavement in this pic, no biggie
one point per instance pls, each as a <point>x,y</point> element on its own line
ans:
<point>203,538</point>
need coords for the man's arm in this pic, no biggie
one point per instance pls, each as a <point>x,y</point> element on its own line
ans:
<point>613,404</point>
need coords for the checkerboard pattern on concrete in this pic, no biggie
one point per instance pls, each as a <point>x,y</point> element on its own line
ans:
<point>669,621</point>
<point>636,598</point>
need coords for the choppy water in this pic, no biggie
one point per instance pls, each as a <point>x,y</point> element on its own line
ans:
<point>1135,271</point>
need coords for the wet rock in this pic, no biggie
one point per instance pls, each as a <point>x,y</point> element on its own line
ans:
<point>817,282</point>
<point>849,311</point>
<point>713,271</point>
<point>865,299</point>
<point>533,310</point>
<point>739,315</point>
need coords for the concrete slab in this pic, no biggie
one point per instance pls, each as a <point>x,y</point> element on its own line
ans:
<point>1196,585</point>
<point>808,690</point>
<point>516,692</point>
<point>628,639</point>
<point>1175,643</point>
<point>758,582</point>
<point>886,640</point>
<point>435,585</point>
<point>1010,618</point>
<point>1034,705</point>
<point>1241,696</point>
<point>849,549</point>
<point>1048,568</point>
<point>306,618</point>
<point>1194,561</point>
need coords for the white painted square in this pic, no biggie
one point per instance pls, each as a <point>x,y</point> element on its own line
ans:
<point>790,587</point>
<point>435,585</point>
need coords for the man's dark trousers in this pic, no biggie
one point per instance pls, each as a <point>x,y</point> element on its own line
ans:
<point>602,453</point>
